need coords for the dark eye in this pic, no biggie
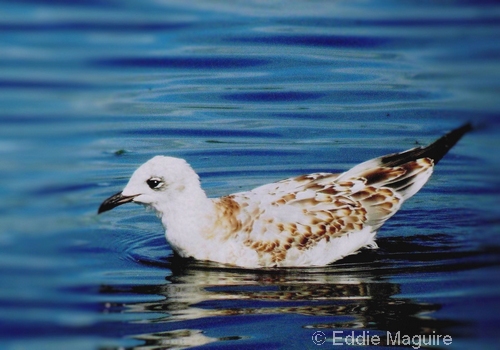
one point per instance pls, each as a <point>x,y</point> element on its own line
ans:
<point>154,183</point>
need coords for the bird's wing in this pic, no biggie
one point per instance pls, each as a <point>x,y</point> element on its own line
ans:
<point>299,212</point>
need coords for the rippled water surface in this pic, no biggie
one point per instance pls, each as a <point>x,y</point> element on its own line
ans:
<point>248,92</point>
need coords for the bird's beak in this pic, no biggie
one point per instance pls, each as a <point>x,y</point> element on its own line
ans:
<point>114,201</point>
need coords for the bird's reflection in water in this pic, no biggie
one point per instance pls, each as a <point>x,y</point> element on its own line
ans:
<point>356,294</point>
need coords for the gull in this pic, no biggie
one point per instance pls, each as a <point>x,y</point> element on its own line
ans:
<point>309,220</point>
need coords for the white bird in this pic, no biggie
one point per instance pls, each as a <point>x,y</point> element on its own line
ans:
<point>310,220</point>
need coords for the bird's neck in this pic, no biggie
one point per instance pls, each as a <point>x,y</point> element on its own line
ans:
<point>186,219</point>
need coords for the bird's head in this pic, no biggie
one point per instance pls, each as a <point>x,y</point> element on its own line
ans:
<point>157,181</point>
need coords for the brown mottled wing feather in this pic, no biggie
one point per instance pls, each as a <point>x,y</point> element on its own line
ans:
<point>300,212</point>
<point>387,188</point>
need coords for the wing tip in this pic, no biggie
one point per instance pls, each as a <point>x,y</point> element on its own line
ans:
<point>435,151</point>
<point>439,148</point>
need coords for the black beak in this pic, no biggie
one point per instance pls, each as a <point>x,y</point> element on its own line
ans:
<point>114,201</point>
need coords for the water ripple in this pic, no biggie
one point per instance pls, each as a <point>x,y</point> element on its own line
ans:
<point>193,132</point>
<point>81,26</point>
<point>332,41</point>
<point>185,62</point>
<point>274,96</point>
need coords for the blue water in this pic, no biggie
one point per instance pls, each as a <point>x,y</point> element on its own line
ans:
<point>248,92</point>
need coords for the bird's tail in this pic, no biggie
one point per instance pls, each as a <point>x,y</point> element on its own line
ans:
<point>408,171</point>
<point>435,151</point>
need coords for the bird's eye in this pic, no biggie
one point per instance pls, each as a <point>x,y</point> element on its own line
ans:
<point>154,183</point>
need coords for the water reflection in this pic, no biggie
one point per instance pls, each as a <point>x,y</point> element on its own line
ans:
<point>357,294</point>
